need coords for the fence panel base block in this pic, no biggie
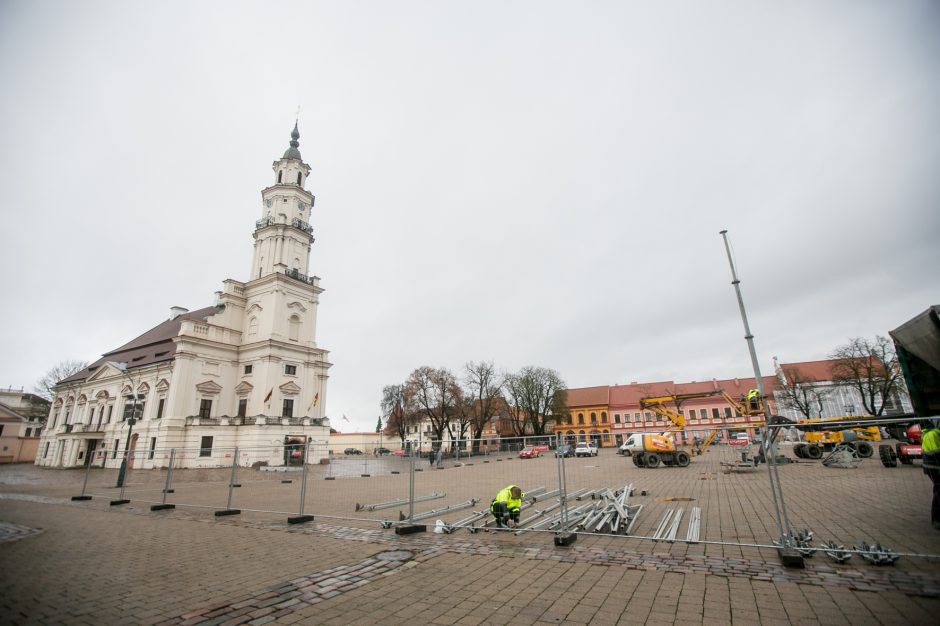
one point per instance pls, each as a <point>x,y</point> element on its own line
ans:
<point>76,498</point>
<point>408,530</point>
<point>565,539</point>
<point>791,557</point>
<point>228,512</point>
<point>119,502</point>
<point>162,507</point>
<point>300,519</point>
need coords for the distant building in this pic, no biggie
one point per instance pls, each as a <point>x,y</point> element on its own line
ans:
<point>608,414</point>
<point>244,372</point>
<point>832,399</point>
<point>22,419</point>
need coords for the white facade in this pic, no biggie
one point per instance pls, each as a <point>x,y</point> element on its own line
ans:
<point>246,372</point>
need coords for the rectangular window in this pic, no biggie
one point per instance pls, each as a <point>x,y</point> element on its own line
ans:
<point>728,412</point>
<point>29,431</point>
<point>290,370</point>
<point>160,407</point>
<point>114,452</point>
<point>153,446</point>
<point>205,407</point>
<point>45,450</point>
<point>703,414</point>
<point>616,418</point>
<point>248,369</point>
<point>649,416</point>
<point>716,414</point>
<point>110,411</point>
<point>205,447</point>
<point>288,408</point>
<point>243,407</point>
<point>636,418</point>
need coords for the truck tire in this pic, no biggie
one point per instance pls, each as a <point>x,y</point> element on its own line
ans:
<point>638,459</point>
<point>889,457</point>
<point>800,450</point>
<point>652,460</point>
<point>813,451</point>
<point>682,458</point>
<point>864,449</point>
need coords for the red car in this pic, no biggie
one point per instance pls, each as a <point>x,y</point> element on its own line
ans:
<point>529,452</point>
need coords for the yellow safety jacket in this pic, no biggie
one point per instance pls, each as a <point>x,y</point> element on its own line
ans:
<point>930,447</point>
<point>504,495</point>
<point>753,394</point>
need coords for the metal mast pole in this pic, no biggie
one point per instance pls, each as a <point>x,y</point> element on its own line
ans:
<point>783,523</point>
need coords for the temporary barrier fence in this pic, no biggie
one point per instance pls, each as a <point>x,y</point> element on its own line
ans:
<point>719,498</point>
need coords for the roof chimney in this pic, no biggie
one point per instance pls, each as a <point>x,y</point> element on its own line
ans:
<point>176,311</point>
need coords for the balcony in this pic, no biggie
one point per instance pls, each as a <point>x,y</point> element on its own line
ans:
<point>302,225</point>
<point>267,221</point>
<point>310,280</point>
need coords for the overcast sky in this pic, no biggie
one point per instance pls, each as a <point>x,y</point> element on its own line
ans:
<point>532,183</point>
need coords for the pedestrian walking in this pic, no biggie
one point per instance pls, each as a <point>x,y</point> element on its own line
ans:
<point>440,457</point>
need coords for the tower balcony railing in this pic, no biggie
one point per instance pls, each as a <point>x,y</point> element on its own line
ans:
<point>296,275</point>
<point>302,225</point>
<point>265,221</point>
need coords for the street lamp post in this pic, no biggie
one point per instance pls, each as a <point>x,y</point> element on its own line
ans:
<point>131,420</point>
<point>127,445</point>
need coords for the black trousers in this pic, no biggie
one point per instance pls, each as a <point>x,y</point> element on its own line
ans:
<point>501,512</point>
<point>935,505</point>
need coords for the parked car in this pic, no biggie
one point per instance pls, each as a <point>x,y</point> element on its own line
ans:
<point>352,451</point>
<point>585,448</point>
<point>529,452</point>
<point>564,451</point>
<point>399,452</point>
<point>382,451</point>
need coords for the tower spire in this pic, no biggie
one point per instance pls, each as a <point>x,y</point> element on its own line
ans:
<point>293,152</point>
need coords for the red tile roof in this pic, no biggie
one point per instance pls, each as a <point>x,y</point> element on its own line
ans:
<point>588,396</point>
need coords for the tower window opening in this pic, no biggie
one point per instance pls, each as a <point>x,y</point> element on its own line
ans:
<point>280,176</point>
<point>298,178</point>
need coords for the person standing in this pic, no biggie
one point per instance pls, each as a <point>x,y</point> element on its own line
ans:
<point>930,448</point>
<point>440,457</point>
<point>507,506</point>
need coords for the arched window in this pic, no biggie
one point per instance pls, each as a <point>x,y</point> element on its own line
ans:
<point>593,417</point>
<point>280,176</point>
<point>253,327</point>
<point>580,418</point>
<point>293,328</point>
<point>604,417</point>
<point>298,178</point>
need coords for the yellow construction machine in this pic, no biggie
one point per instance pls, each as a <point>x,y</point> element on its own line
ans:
<point>752,407</point>
<point>823,434</point>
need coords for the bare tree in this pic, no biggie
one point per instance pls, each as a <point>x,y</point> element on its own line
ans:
<point>801,392</point>
<point>484,388</point>
<point>434,393</point>
<point>398,417</point>
<point>45,386</point>
<point>537,397</point>
<point>871,368</point>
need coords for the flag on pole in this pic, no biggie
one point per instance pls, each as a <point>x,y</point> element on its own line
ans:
<point>345,419</point>
<point>268,396</point>
<point>316,399</point>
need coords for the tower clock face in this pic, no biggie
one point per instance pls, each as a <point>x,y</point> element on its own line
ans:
<point>269,203</point>
<point>300,205</point>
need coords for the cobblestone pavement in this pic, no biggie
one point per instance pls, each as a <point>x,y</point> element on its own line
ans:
<point>89,563</point>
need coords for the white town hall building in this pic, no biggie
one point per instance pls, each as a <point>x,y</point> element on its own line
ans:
<point>245,372</point>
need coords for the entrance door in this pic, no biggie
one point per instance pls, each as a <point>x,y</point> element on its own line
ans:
<point>90,452</point>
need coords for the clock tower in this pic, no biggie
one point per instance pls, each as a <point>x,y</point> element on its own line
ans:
<point>283,235</point>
